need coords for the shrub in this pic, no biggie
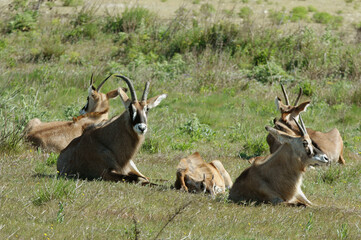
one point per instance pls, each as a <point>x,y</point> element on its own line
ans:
<point>267,73</point>
<point>130,20</point>
<point>278,17</point>
<point>328,19</point>
<point>196,130</point>
<point>312,8</point>
<point>23,21</point>
<point>207,9</point>
<point>322,17</point>
<point>299,13</point>
<point>72,3</point>
<point>255,147</point>
<point>245,12</point>
<point>83,26</point>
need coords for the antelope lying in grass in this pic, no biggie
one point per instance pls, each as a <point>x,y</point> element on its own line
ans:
<point>105,151</point>
<point>195,175</point>
<point>330,142</point>
<point>55,136</point>
<point>278,178</point>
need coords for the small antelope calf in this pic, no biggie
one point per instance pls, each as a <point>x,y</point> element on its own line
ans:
<point>195,175</point>
<point>105,150</point>
<point>55,136</point>
<point>278,177</point>
<point>330,142</point>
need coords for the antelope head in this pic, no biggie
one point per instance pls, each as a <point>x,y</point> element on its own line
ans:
<point>97,101</point>
<point>138,110</point>
<point>301,145</point>
<point>288,112</point>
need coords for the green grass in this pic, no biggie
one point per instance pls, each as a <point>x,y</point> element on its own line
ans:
<point>221,79</point>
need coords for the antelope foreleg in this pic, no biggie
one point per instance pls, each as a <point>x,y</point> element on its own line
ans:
<point>301,198</point>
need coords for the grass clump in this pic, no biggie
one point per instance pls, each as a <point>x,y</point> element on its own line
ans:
<point>299,13</point>
<point>278,17</point>
<point>328,19</point>
<point>72,3</point>
<point>245,12</point>
<point>22,17</point>
<point>268,73</point>
<point>130,20</point>
<point>83,26</point>
<point>57,189</point>
<point>196,130</point>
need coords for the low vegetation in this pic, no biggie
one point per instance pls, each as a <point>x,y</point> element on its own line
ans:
<point>221,74</point>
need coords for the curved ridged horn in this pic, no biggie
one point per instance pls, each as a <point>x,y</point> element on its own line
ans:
<point>102,83</point>
<point>131,87</point>
<point>298,97</point>
<point>303,124</point>
<point>91,79</point>
<point>145,93</point>
<point>285,94</point>
<point>300,127</point>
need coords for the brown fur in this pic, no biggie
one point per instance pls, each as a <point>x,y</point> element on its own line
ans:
<point>330,143</point>
<point>105,151</point>
<point>195,175</point>
<point>277,178</point>
<point>55,136</point>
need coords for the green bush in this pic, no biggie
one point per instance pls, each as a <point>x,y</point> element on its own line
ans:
<point>72,3</point>
<point>207,9</point>
<point>268,73</point>
<point>312,8</point>
<point>328,19</point>
<point>245,12</point>
<point>196,130</point>
<point>83,25</point>
<point>299,13</point>
<point>23,21</point>
<point>130,20</point>
<point>278,17</point>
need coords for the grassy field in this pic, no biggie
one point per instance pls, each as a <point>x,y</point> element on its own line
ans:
<point>221,70</point>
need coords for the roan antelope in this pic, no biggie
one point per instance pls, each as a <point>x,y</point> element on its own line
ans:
<point>330,142</point>
<point>55,136</point>
<point>278,178</point>
<point>196,175</point>
<point>105,150</point>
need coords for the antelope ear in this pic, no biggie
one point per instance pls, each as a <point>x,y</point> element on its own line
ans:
<point>279,105</point>
<point>112,94</point>
<point>282,137</point>
<point>302,107</point>
<point>154,101</point>
<point>124,97</point>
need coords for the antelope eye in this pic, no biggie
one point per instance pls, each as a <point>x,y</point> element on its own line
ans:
<point>305,143</point>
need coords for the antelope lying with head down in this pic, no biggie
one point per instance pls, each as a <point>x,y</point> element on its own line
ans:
<point>55,136</point>
<point>195,175</point>
<point>105,151</point>
<point>330,142</point>
<point>278,178</point>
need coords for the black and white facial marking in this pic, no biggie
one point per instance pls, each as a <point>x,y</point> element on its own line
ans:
<point>317,156</point>
<point>85,109</point>
<point>138,114</point>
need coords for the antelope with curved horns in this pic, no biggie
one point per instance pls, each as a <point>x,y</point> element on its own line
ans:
<point>196,175</point>
<point>278,178</point>
<point>55,136</point>
<point>330,142</point>
<point>105,151</point>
